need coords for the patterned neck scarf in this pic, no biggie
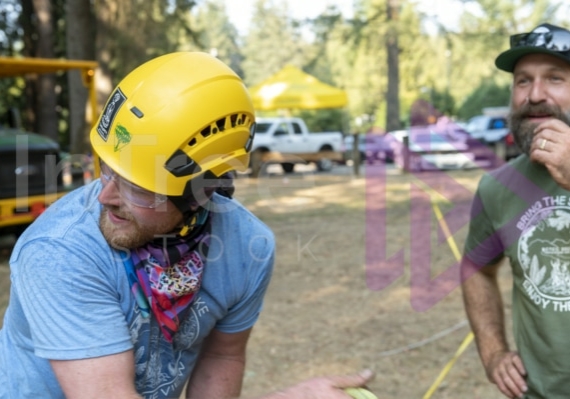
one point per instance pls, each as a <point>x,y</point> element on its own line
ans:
<point>166,273</point>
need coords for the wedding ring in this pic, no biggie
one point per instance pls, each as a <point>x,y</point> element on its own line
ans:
<point>543,144</point>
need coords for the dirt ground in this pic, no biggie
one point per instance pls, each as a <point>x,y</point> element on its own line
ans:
<point>325,315</point>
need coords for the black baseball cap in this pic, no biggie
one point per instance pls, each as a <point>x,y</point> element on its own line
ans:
<point>545,38</point>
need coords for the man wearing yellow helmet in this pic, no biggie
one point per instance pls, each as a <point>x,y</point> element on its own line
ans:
<point>146,280</point>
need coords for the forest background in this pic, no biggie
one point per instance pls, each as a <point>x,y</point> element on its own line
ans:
<point>382,56</point>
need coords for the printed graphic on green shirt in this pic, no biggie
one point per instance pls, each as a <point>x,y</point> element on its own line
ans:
<point>544,253</point>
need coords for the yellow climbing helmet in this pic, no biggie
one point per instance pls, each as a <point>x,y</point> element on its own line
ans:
<point>174,118</point>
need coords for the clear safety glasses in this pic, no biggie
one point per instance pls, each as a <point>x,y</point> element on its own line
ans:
<point>130,192</point>
<point>553,40</point>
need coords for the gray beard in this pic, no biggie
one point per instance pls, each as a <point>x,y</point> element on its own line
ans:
<point>523,130</point>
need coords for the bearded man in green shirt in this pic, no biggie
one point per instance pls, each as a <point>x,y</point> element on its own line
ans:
<point>521,212</point>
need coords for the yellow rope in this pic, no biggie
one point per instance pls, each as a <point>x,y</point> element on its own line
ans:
<point>448,366</point>
<point>469,337</point>
<point>445,228</point>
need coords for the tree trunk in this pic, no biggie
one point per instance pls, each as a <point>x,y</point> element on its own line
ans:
<point>80,46</point>
<point>46,100</point>
<point>28,113</point>
<point>392,50</point>
<point>106,13</point>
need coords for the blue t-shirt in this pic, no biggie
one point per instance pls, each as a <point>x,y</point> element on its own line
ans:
<point>70,299</point>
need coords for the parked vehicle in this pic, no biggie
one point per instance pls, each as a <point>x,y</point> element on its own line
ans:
<point>493,131</point>
<point>512,150</point>
<point>488,128</point>
<point>371,148</point>
<point>31,166</point>
<point>288,141</point>
<point>437,147</point>
<point>28,176</point>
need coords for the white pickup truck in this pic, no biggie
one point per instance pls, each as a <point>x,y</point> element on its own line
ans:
<point>287,141</point>
<point>491,128</point>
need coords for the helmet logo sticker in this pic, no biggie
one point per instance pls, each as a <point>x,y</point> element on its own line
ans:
<point>115,102</point>
<point>122,138</point>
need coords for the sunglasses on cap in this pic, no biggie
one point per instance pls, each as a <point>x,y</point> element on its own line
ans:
<point>552,39</point>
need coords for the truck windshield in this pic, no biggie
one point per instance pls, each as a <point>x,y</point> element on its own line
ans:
<point>262,127</point>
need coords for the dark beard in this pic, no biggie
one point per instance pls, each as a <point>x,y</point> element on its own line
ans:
<point>523,130</point>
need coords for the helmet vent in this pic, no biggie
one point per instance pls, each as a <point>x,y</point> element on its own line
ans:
<point>221,123</point>
<point>249,142</point>
<point>138,113</point>
<point>228,122</point>
<point>206,131</point>
<point>237,120</point>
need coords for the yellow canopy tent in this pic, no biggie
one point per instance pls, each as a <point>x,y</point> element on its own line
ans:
<point>291,88</point>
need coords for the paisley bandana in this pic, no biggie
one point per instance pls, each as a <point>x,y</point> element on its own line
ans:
<point>166,274</point>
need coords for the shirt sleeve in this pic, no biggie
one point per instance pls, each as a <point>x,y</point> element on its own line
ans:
<point>483,245</point>
<point>257,271</point>
<point>70,300</point>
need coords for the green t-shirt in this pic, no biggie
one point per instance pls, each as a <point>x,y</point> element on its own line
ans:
<point>521,213</point>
